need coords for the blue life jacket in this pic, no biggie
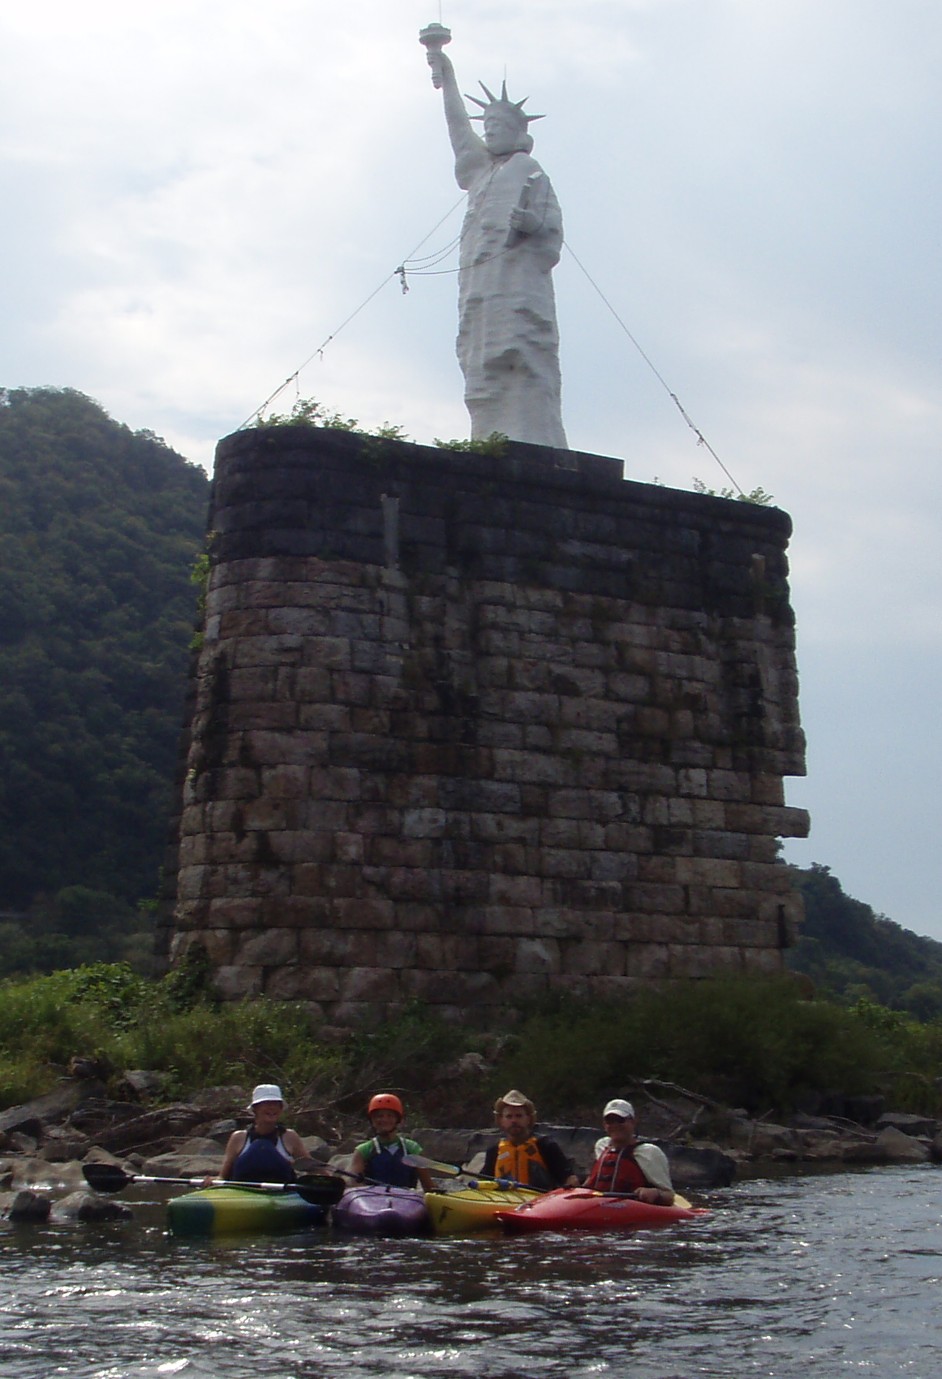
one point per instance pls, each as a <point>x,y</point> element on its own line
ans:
<point>385,1165</point>
<point>263,1159</point>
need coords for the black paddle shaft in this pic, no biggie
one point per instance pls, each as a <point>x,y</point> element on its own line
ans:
<point>322,1189</point>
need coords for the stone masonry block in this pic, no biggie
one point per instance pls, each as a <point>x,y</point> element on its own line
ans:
<point>465,990</point>
<point>650,962</point>
<point>234,983</point>
<point>536,955</point>
<point>372,911</point>
<point>708,871</point>
<point>516,920</point>
<point>305,984</point>
<point>370,984</point>
<point>692,781</point>
<point>729,785</point>
<point>515,891</point>
<point>447,952</point>
<point>273,948</point>
<point>686,962</point>
<point>590,958</point>
<point>657,868</point>
<point>231,914</point>
<point>655,899</point>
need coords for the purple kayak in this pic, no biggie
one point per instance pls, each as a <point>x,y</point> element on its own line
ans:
<point>379,1210</point>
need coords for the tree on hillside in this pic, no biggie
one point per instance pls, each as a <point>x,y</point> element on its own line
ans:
<point>100,527</point>
<point>849,951</point>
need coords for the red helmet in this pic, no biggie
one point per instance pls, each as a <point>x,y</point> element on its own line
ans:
<point>385,1101</point>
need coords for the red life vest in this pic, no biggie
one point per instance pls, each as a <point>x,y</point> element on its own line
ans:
<point>616,1171</point>
<point>514,1161</point>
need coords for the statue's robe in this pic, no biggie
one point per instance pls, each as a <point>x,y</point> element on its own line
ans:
<point>508,341</point>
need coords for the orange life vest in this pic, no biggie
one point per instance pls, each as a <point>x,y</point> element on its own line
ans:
<point>514,1161</point>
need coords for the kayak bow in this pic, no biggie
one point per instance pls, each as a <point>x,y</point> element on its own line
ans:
<point>570,1209</point>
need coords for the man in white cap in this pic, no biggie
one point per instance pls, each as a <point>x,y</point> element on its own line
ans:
<point>522,1155</point>
<point>625,1165</point>
<point>266,1152</point>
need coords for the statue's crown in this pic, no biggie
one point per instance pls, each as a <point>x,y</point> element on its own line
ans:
<point>503,103</point>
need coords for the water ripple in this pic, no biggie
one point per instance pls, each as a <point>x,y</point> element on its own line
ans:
<point>828,1275</point>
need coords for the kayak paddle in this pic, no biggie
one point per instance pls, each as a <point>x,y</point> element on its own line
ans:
<point>321,1189</point>
<point>456,1171</point>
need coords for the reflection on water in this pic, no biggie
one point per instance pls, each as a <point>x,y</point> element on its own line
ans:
<point>823,1275</point>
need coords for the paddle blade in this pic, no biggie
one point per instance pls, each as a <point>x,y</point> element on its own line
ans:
<point>320,1189</point>
<point>106,1177</point>
<point>433,1166</point>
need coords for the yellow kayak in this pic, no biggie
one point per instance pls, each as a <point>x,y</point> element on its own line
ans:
<point>474,1207</point>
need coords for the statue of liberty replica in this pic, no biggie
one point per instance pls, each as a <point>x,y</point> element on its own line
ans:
<point>508,341</point>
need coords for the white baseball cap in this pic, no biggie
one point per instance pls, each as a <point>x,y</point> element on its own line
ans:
<point>624,1109</point>
<point>266,1091</point>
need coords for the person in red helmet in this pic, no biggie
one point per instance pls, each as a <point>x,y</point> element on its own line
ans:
<point>380,1157</point>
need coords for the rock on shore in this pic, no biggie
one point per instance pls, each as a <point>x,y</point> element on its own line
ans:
<point>45,1143</point>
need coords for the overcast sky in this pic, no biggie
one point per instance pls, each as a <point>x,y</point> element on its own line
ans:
<point>198,195</point>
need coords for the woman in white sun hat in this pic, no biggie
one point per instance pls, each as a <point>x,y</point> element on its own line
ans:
<point>266,1152</point>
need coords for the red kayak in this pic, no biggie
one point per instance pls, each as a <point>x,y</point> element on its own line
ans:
<point>579,1209</point>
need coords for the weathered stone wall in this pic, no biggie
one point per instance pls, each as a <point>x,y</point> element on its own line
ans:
<point>469,728</point>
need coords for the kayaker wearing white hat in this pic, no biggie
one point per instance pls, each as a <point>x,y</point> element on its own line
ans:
<point>266,1152</point>
<point>626,1165</point>
<point>520,1154</point>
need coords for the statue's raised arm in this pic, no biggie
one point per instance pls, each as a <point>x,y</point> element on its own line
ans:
<point>508,344</point>
<point>471,155</point>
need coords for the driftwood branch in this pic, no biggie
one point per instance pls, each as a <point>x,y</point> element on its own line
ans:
<point>647,1082</point>
<point>685,1124</point>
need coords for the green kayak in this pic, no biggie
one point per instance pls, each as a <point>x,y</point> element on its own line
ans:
<point>227,1210</point>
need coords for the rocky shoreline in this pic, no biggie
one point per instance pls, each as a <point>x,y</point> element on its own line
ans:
<point>45,1143</point>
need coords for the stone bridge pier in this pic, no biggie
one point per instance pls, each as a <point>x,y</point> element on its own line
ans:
<point>470,729</point>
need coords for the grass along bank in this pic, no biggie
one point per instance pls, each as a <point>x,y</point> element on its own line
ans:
<point>756,1044</point>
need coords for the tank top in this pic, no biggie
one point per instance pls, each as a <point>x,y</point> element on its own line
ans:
<point>263,1159</point>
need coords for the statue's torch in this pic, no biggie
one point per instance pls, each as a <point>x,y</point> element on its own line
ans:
<point>433,38</point>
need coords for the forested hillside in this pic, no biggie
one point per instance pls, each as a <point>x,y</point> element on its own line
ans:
<point>849,951</point>
<point>100,527</point>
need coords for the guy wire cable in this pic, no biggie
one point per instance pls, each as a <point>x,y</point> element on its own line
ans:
<point>428,269</point>
<point>701,438</point>
<point>399,273</point>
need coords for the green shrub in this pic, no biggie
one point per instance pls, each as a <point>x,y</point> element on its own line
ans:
<point>22,1078</point>
<point>43,1022</point>
<point>746,1042</point>
<point>110,1012</point>
<point>240,1043</point>
<point>407,1051</point>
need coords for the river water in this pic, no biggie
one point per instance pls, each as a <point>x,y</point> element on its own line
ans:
<point>797,1276</point>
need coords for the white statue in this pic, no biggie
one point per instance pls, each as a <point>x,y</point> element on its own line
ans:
<point>508,342</point>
